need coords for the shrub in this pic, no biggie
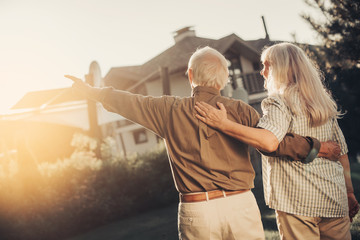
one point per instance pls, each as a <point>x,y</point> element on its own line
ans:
<point>80,192</point>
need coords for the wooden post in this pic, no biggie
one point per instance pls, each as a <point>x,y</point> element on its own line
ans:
<point>94,129</point>
<point>164,75</point>
<point>123,144</point>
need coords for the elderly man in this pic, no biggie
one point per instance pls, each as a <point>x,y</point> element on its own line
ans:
<point>212,171</point>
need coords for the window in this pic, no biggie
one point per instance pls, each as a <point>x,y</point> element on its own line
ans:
<point>256,66</point>
<point>140,136</point>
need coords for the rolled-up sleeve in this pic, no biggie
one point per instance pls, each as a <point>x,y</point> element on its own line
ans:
<point>276,117</point>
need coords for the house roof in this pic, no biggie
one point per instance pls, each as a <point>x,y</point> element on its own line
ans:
<point>176,58</point>
<point>259,44</point>
<point>38,99</point>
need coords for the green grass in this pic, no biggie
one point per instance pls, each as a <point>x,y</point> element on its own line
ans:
<point>270,228</point>
<point>355,176</point>
<point>355,228</point>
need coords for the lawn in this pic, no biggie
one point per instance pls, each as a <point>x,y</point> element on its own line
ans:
<point>162,223</point>
<point>355,176</point>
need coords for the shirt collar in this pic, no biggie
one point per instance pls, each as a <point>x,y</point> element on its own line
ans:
<point>210,90</point>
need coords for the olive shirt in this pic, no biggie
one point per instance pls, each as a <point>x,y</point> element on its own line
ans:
<point>201,158</point>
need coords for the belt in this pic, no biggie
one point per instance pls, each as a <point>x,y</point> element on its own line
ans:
<point>204,196</point>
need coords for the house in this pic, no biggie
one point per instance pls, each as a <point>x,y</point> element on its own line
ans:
<point>165,75</point>
<point>162,75</point>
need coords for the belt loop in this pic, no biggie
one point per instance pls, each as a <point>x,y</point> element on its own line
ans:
<point>207,196</point>
<point>223,193</point>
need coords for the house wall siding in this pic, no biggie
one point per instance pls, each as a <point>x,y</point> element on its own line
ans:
<point>246,64</point>
<point>179,86</point>
<point>129,140</point>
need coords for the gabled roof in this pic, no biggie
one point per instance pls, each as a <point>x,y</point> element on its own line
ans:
<point>235,44</point>
<point>177,56</point>
<point>259,44</point>
<point>176,59</point>
<point>128,72</point>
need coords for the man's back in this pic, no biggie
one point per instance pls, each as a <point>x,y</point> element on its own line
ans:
<point>202,158</point>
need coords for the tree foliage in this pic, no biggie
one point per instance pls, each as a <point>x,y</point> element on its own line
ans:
<point>339,57</point>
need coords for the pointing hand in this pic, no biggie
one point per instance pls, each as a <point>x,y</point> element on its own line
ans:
<point>79,86</point>
<point>75,79</point>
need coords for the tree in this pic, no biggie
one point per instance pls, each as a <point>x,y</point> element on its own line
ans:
<point>339,58</point>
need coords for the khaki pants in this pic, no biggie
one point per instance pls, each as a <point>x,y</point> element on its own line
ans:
<point>292,227</point>
<point>232,217</point>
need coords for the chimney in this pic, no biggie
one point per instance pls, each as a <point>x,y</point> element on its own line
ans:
<point>184,33</point>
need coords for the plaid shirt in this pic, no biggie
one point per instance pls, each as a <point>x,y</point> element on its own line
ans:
<point>316,189</point>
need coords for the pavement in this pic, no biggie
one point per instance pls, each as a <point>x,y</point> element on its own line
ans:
<point>159,224</point>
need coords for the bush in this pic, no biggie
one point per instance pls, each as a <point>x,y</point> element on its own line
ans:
<point>81,192</point>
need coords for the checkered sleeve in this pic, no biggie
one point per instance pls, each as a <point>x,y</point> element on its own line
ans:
<point>338,137</point>
<point>276,117</point>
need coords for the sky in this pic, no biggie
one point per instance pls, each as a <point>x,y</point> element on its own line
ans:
<point>42,40</point>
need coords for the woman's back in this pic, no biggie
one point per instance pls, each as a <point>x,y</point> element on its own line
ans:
<point>316,189</point>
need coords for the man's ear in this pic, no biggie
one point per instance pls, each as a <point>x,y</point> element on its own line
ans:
<point>190,76</point>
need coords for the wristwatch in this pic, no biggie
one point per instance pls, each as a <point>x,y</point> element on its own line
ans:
<point>313,152</point>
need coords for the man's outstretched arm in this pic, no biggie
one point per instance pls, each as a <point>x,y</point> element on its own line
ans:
<point>150,112</point>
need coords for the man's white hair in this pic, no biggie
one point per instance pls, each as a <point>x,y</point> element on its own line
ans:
<point>209,68</point>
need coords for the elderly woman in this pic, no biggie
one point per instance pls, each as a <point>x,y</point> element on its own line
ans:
<point>313,200</point>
